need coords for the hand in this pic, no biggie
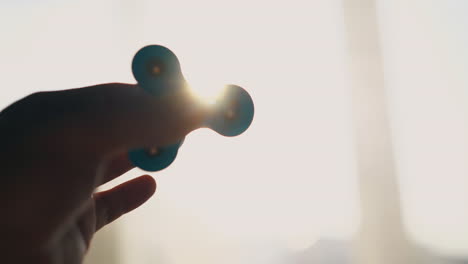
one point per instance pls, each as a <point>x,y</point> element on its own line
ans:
<point>57,147</point>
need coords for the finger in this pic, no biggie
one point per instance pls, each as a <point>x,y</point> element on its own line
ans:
<point>86,222</point>
<point>115,167</point>
<point>118,117</point>
<point>122,199</point>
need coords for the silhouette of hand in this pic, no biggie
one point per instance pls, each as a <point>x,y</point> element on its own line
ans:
<point>57,147</point>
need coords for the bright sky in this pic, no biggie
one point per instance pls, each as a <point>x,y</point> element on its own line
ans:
<point>290,179</point>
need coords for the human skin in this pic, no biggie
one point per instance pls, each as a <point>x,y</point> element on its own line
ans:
<point>58,147</point>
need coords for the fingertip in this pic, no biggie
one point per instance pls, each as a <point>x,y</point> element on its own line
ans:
<point>149,182</point>
<point>126,197</point>
<point>143,188</point>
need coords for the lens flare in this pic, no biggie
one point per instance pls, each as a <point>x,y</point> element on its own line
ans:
<point>207,90</point>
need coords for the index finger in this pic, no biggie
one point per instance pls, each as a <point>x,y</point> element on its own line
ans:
<point>111,118</point>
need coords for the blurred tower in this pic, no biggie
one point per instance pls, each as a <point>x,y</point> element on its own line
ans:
<point>381,238</point>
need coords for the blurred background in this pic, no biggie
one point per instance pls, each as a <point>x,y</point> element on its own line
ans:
<point>358,152</point>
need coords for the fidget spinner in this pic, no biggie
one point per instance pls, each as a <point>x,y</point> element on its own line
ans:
<point>157,71</point>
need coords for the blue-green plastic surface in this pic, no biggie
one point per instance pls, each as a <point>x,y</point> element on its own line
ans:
<point>168,78</point>
<point>163,159</point>
<point>244,113</point>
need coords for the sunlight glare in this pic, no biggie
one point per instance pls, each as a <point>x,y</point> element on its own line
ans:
<point>205,88</point>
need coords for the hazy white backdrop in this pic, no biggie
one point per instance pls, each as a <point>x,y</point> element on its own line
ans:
<point>290,179</point>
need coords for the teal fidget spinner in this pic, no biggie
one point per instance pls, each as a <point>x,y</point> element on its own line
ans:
<point>157,71</point>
